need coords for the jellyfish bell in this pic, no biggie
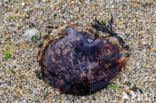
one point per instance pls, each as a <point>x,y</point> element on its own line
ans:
<point>78,64</point>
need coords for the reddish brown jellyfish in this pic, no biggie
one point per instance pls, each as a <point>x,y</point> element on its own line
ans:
<point>76,63</point>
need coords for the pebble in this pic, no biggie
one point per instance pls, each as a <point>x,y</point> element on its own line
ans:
<point>133,95</point>
<point>125,96</point>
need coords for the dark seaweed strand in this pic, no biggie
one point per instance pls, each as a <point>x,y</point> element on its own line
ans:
<point>102,26</point>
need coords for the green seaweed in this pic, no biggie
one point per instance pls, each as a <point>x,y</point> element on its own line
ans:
<point>34,38</point>
<point>101,21</point>
<point>7,54</point>
<point>113,86</point>
<point>10,42</point>
<point>13,18</point>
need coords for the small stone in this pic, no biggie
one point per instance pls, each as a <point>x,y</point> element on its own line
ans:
<point>31,35</point>
<point>23,4</point>
<point>44,0</point>
<point>23,56</point>
<point>125,96</point>
<point>133,95</point>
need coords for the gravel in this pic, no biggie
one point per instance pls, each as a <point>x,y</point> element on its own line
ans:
<point>134,21</point>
